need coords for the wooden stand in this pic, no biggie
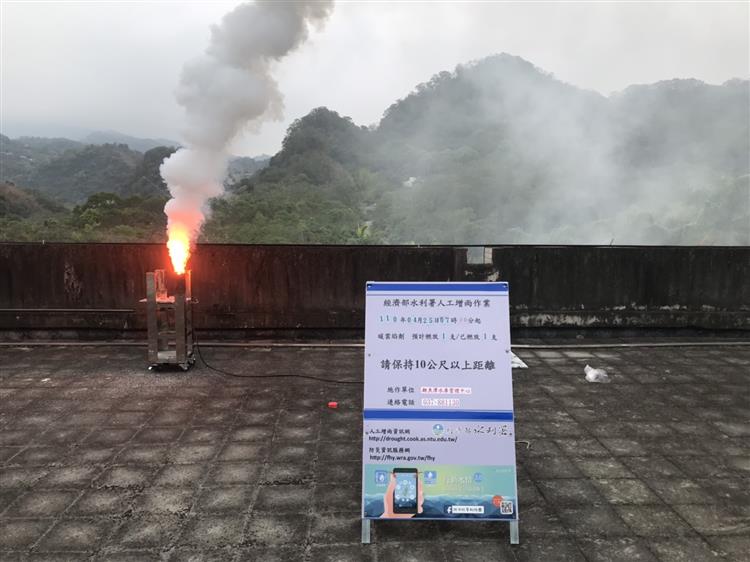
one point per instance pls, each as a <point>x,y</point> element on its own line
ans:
<point>170,321</point>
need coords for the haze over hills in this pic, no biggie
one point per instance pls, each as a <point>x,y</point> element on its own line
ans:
<point>497,151</point>
<point>69,171</point>
<point>134,143</point>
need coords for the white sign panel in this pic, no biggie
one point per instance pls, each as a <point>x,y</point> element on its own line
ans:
<point>439,436</point>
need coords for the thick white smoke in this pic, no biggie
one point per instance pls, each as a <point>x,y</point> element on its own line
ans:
<point>229,88</point>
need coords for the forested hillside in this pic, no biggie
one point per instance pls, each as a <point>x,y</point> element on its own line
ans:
<point>501,152</point>
<point>495,152</point>
<point>134,143</point>
<point>69,172</point>
<point>19,157</point>
<point>58,189</point>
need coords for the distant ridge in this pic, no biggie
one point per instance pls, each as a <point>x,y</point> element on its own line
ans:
<point>69,171</point>
<point>134,143</point>
<point>500,151</point>
<point>496,151</point>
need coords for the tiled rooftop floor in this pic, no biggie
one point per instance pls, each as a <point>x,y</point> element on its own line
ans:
<point>101,459</point>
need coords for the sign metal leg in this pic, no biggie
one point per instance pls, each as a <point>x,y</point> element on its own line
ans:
<point>365,531</point>
<point>514,532</point>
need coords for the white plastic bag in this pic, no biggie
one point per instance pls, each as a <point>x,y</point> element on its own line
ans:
<point>595,375</point>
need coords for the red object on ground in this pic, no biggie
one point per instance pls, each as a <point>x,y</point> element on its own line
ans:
<point>333,405</point>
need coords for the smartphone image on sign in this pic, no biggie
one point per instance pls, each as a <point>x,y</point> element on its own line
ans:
<point>405,493</point>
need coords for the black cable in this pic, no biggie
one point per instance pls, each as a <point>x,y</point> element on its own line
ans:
<point>275,376</point>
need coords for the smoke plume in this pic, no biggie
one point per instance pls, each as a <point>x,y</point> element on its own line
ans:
<point>230,87</point>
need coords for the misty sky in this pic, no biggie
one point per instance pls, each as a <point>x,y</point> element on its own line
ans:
<point>70,67</point>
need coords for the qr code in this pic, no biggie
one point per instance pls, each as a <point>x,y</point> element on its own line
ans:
<point>506,507</point>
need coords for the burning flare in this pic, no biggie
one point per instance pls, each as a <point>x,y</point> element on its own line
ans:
<point>230,87</point>
<point>179,248</point>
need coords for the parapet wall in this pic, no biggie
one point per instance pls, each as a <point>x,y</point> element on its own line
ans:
<point>627,287</point>
<point>94,289</point>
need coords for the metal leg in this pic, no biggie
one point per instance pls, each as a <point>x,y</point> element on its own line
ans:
<point>180,343</point>
<point>514,532</point>
<point>152,321</point>
<point>365,531</point>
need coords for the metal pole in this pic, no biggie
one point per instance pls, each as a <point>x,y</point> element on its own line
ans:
<point>189,340</point>
<point>514,539</point>
<point>179,324</point>
<point>365,531</point>
<point>151,319</point>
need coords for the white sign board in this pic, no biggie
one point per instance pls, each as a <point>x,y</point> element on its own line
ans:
<point>439,436</point>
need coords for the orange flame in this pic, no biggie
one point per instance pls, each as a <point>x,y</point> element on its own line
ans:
<point>179,248</point>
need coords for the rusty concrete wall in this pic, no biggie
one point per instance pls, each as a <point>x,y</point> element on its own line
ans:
<point>75,289</point>
<point>627,287</point>
<point>239,287</point>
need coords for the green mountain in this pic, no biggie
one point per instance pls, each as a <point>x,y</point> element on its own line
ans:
<point>134,143</point>
<point>312,191</point>
<point>26,215</point>
<point>145,180</point>
<point>19,203</point>
<point>241,167</point>
<point>19,157</point>
<point>499,151</point>
<point>78,173</point>
<point>496,151</point>
<point>69,171</point>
